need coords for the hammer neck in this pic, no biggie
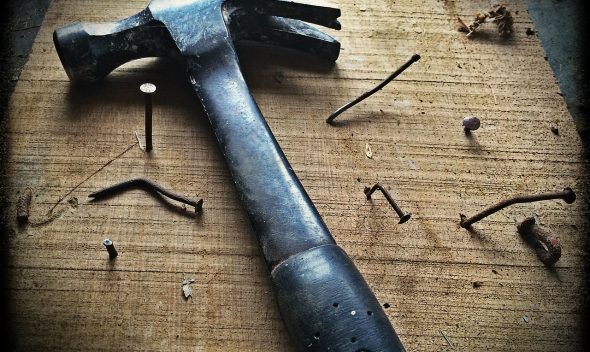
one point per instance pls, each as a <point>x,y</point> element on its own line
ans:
<point>284,219</point>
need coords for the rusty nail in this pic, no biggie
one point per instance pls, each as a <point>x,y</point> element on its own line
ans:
<point>372,91</point>
<point>546,245</point>
<point>149,185</point>
<point>148,89</point>
<point>403,217</point>
<point>22,206</point>
<point>110,248</point>
<point>567,195</point>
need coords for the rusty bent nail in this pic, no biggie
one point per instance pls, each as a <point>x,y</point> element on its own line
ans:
<point>308,270</point>
<point>147,185</point>
<point>403,217</point>
<point>567,195</point>
<point>148,89</point>
<point>546,245</point>
<point>110,246</point>
<point>372,91</point>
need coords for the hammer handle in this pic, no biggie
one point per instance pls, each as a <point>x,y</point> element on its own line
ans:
<point>283,217</point>
<point>323,299</point>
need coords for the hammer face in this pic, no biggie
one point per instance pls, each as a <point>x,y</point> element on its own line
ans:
<point>90,51</point>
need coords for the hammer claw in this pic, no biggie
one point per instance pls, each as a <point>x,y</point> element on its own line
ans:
<point>292,34</point>
<point>320,15</point>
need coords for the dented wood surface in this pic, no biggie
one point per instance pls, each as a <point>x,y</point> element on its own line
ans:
<point>484,290</point>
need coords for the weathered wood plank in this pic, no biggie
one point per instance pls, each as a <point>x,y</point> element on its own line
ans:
<point>66,295</point>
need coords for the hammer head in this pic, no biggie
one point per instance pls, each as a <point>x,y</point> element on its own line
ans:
<point>192,28</point>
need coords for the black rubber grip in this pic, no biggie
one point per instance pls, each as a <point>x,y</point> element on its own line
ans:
<point>327,305</point>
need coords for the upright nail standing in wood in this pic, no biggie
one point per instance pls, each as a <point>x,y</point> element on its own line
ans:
<point>148,89</point>
<point>567,195</point>
<point>367,94</point>
<point>22,206</point>
<point>403,217</point>
<point>546,245</point>
<point>110,248</point>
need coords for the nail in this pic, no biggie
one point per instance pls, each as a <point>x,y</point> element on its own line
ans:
<point>110,248</point>
<point>378,87</point>
<point>22,206</point>
<point>470,123</point>
<point>567,195</point>
<point>546,245</point>
<point>148,89</point>
<point>148,185</point>
<point>403,217</point>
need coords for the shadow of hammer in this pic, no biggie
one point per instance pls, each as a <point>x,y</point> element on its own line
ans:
<point>323,299</point>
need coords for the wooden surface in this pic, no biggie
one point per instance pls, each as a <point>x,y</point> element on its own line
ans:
<point>66,295</point>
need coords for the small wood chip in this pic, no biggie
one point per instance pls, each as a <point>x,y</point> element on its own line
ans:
<point>451,344</point>
<point>138,141</point>
<point>186,289</point>
<point>368,151</point>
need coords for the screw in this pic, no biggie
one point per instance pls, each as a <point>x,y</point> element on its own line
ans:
<point>110,248</point>
<point>148,89</point>
<point>403,217</point>
<point>378,87</point>
<point>567,195</point>
<point>546,246</point>
<point>470,123</point>
<point>22,206</point>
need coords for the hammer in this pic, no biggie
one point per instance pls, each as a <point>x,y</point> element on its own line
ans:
<point>324,301</point>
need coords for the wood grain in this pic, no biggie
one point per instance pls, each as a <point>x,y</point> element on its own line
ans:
<point>66,295</point>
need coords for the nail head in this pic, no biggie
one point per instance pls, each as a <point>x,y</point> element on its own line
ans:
<point>570,195</point>
<point>405,218</point>
<point>471,123</point>
<point>148,88</point>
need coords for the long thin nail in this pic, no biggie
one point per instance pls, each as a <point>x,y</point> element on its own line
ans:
<point>149,185</point>
<point>403,217</point>
<point>148,89</point>
<point>378,87</point>
<point>567,195</point>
